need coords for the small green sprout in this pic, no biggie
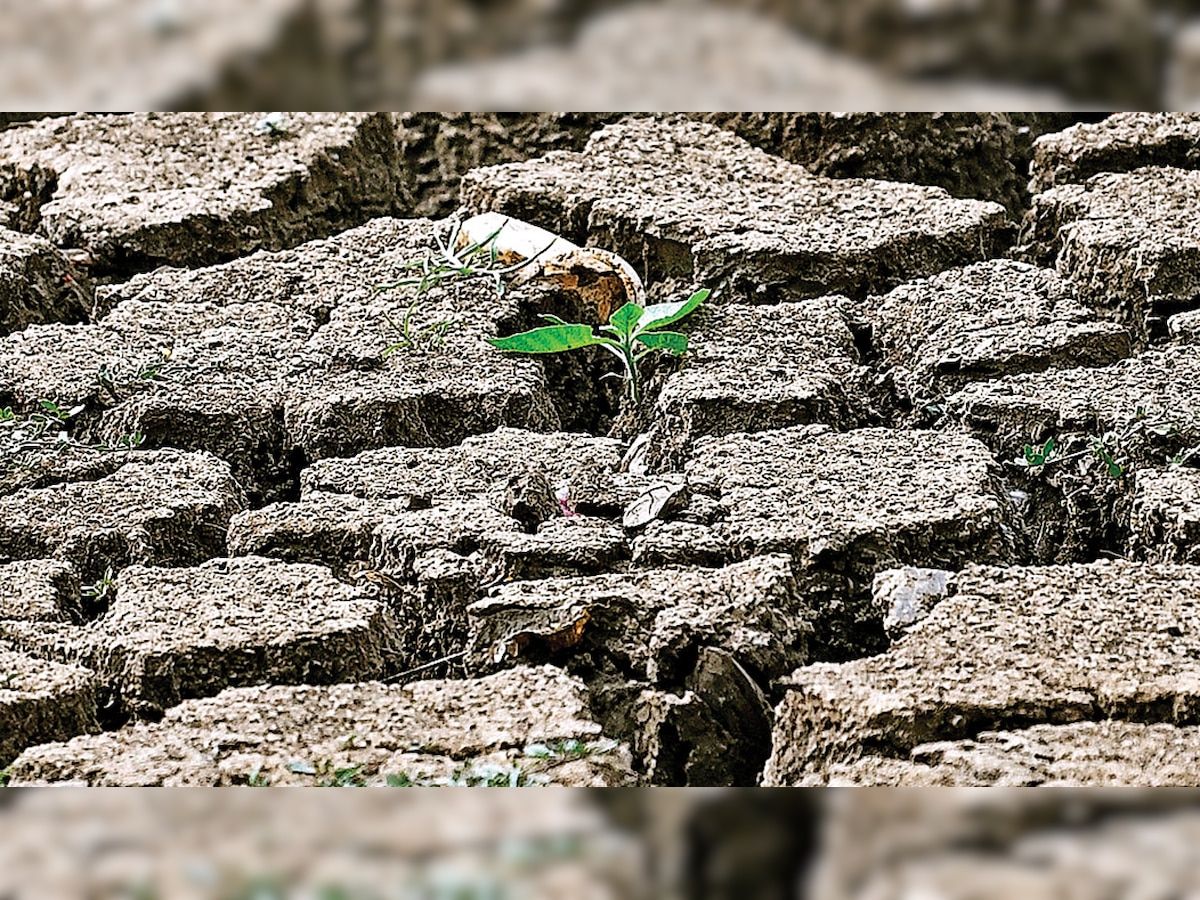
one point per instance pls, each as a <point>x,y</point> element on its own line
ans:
<point>477,260</point>
<point>1115,469</point>
<point>410,338</point>
<point>481,775</point>
<point>632,333</point>
<point>328,774</point>
<point>1110,448</point>
<point>125,442</point>
<point>100,591</point>
<point>342,776</point>
<point>1039,456</point>
<point>120,382</point>
<point>572,748</point>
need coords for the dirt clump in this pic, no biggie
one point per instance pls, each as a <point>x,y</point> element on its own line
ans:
<point>686,200</point>
<point>478,729</point>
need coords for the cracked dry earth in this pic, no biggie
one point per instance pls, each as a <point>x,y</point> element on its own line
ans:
<point>269,554</point>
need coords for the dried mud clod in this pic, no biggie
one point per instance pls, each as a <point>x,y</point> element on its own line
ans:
<point>686,200</point>
<point>1013,647</point>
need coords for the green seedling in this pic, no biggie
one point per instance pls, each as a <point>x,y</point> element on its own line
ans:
<point>476,261</point>
<point>1115,469</point>
<point>99,592</point>
<point>342,776</point>
<point>1109,448</point>
<point>119,382</point>
<point>411,338</point>
<point>328,774</point>
<point>568,749</point>
<point>44,429</point>
<point>632,333</point>
<point>125,442</point>
<point>485,775</point>
<point>52,418</point>
<point>1039,456</point>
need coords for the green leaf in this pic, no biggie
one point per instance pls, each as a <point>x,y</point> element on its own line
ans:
<point>1115,469</point>
<point>625,318</point>
<point>550,339</point>
<point>1039,456</point>
<point>673,341</point>
<point>660,314</point>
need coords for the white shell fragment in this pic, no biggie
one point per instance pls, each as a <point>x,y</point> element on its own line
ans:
<point>657,501</point>
<point>601,278</point>
<point>515,241</point>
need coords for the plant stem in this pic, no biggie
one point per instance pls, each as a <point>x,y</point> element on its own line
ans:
<point>631,371</point>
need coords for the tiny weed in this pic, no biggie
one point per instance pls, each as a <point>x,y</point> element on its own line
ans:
<point>328,774</point>
<point>1113,448</point>
<point>99,592</point>
<point>125,442</point>
<point>486,775</point>
<point>344,776</point>
<point>632,333</point>
<point>5,777</point>
<point>46,426</point>
<point>409,338</point>
<point>27,438</point>
<point>256,778</point>
<point>38,432</point>
<point>121,382</point>
<point>474,262</point>
<point>1079,483</point>
<point>8,681</point>
<point>568,749</point>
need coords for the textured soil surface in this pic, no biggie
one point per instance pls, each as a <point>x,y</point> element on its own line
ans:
<point>919,505</point>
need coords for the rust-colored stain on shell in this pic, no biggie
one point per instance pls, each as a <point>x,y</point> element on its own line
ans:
<point>591,274</point>
<point>600,278</point>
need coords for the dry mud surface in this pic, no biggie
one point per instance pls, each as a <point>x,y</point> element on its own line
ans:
<point>919,506</point>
